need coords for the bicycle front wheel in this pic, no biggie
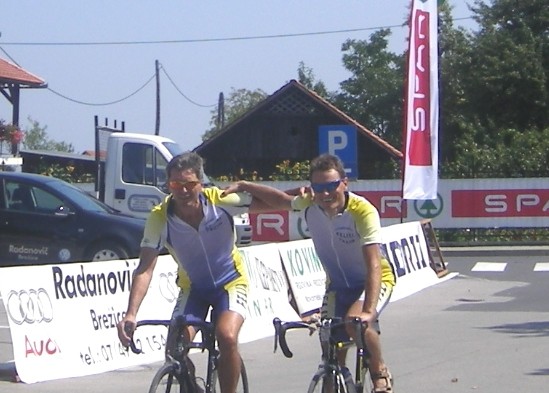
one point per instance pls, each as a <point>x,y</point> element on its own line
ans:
<point>168,380</point>
<point>242,386</point>
<point>335,381</point>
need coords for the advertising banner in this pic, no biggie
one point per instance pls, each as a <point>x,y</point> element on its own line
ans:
<point>421,104</point>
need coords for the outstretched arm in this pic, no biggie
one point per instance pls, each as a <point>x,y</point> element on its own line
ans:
<point>264,197</point>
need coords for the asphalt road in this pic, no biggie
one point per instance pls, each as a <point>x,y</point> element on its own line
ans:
<point>485,330</point>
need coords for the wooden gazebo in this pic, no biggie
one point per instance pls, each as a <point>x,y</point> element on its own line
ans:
<point>12,79</point>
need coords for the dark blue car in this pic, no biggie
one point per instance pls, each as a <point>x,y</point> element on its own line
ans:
<point>47,220</point>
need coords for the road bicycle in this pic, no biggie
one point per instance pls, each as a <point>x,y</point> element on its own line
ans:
<point>177,374</point>
<point>330,376</point>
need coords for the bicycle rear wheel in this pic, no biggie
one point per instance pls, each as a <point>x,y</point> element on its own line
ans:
<point>168,380</point>
<point>242,386</point>
<point>337,381</point>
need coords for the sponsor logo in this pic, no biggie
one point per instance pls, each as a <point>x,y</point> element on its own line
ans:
<point>29,306</point>
<point>64,254</point>
<point>270,226</point>
<point>30,251</point>
<point>388,203</point>
<point>167,286</point>
<point>429,208</point>
<point>500,203</point>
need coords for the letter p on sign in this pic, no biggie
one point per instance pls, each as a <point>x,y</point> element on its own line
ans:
<point>340,141</point>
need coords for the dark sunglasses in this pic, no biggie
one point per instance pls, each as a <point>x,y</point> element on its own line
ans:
<point>178,185</point>
<point>326,187</point>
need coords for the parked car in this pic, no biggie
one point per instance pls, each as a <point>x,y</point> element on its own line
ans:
<point>47,220</point>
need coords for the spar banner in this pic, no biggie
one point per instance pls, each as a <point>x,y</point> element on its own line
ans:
<point>63,318</point>
<point>421,104</point>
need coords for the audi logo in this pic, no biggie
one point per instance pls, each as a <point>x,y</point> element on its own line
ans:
<point>32,306</point>
<point>168,286</point>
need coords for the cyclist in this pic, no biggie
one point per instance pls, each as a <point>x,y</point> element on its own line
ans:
<point>345,230</point>
<point>199,234</point>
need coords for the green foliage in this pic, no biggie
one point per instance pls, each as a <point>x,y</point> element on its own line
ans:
<point>497,236</point>
<point>288,171</point>
<point>284,171</point>
<point>508,73</point>
<point>236,104</point>
<point>67,173</point>
<point>373,94</point>
<point>307,78</point>
<point>36,138</point>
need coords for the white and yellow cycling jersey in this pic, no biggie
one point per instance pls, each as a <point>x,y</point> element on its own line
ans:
<point>207,257</point>
<point>338,240</point>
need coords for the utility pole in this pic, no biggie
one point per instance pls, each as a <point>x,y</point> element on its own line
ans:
<point>157,126</point>
<point>221,112</point>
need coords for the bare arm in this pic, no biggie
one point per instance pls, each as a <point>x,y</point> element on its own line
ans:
<point>140,284</point>
<point>264,197</point>
<point>372,286</point>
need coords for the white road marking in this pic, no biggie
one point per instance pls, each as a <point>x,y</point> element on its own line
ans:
<point>489,267</point>
<point>541,267</point>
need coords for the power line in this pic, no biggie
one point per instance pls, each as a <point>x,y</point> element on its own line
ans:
<point>180,92</point>
<point>199,40</point>
<point>105,103</point>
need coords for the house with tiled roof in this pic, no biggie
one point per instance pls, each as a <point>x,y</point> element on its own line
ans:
<point>285,126</point>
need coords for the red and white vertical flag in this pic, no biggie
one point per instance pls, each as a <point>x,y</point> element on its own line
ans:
<point>421,104</point>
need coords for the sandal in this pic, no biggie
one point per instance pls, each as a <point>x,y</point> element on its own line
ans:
<point>386,375</point>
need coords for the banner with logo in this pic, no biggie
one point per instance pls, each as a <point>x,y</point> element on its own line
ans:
<point>404,246</point>
<point>421,104</point>
<point>305,274</point>
<point>63,317</point>
<point>269,292</point>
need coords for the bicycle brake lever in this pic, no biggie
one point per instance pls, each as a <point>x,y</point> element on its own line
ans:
<point>276,324</point>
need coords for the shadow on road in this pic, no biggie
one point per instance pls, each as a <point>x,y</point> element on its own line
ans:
<point>526,329</point>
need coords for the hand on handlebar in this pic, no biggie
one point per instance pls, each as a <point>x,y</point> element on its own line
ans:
<point>126,327</point>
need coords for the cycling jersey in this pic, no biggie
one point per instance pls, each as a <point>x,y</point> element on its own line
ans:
<point>207,257</point>
<point>338,240</point>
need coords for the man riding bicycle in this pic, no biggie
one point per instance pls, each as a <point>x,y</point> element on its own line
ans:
<point>345,230</point>
<point>198,232</point>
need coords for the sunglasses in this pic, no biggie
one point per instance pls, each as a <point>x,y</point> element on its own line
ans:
<point>179,185</point>
<point>326,187</point>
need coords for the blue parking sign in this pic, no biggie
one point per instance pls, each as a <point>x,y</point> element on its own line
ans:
<point>340,141</point>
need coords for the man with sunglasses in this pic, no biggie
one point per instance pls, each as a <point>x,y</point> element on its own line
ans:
<point>345,230</point>
<point>193,226</point>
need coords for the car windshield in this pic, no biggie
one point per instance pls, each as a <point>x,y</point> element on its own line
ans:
<point>173,148</point>
<point>81,198</point>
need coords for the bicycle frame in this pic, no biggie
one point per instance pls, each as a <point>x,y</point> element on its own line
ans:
<point>330,347</point>
<point>177,355</point>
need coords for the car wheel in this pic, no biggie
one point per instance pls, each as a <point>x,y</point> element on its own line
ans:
<point>107,251</point>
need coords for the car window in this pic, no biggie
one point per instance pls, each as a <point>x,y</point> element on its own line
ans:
<point>27,198</point>
<point>143,164</point>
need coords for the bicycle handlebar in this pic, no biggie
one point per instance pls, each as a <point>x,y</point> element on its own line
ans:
<point>280,334</point>
<point>281,328</point>
<point>199,324</point>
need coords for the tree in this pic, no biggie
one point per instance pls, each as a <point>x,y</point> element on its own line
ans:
<point>307,78</point>
<point>36,138</point>
<point>373,94</point>
<point>495,95</point>
<point>509,72</point>
<point>238,103</point>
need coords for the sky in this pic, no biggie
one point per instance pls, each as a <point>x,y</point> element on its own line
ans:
<point>93,53</point>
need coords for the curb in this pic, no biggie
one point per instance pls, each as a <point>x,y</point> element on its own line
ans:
<point>495,251</point>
